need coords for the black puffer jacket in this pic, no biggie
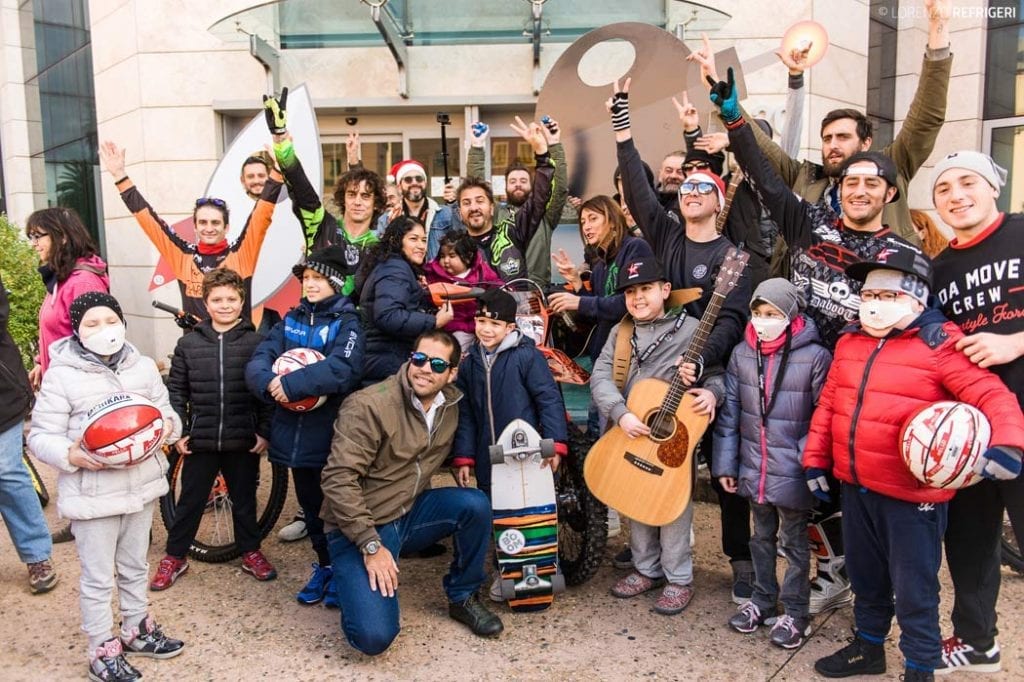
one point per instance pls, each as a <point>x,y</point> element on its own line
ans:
<point>14,386</point>
<point>208,391</point>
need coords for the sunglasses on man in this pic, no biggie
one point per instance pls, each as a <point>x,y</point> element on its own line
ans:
<point>438,365</point>
<point>702,188</point>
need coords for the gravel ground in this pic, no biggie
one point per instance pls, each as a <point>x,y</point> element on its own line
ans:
<point>236,628</point>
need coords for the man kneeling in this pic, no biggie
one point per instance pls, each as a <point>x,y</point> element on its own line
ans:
<point>389,439</point>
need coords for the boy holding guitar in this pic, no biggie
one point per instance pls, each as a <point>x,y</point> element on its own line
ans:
<point>660,553</point>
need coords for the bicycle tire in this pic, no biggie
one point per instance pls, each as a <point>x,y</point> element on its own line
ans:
<point>214,542</point>
<point>37,482</point>
<point>582,518</point>
<point>1011,552</point>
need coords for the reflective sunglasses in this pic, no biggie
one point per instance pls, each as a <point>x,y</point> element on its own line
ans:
<point>439,365</point>
<point>691,166</point>
<point>699,187</point>
<point>409,179</point>
<point>211,201</point>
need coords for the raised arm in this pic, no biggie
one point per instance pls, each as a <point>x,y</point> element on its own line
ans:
<point>529,217</point>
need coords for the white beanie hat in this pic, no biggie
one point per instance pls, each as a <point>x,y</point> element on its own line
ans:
<point>976,162</point>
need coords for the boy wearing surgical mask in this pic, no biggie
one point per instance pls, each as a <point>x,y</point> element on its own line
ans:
<point>900,356</point>
<point>111,509</point>
<point>772,384</point>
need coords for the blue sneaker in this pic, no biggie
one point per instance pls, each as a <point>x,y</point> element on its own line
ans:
<point>331,593</point>
<point>316,588</point>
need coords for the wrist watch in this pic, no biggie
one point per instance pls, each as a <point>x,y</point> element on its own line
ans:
<point>371,548</point>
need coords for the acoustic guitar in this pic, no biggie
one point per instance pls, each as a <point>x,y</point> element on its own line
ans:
<point>650,478</point>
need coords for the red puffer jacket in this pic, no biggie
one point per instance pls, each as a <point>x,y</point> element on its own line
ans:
<point>874,385</point>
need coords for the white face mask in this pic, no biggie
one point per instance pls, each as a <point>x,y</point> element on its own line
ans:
<point>768,328</point>
<point>882,315</point>
<point>105,340</point>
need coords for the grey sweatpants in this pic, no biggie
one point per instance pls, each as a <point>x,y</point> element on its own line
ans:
<point>664,550</point>
<point>787,528</point>
<point>106,545</point>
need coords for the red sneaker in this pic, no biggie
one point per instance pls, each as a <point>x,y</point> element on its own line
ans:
<point>256,564</point>
<point>167,572</point>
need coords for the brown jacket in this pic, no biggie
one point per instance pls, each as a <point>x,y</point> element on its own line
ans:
<point>382,456</point>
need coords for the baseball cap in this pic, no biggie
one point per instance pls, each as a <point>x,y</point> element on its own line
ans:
<point>639,272</point>
<point>884,168</point>
<point>895,255</point>
<point>496,304</point>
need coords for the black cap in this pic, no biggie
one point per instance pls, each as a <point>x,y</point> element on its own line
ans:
<point>895,255</point>
<point>497,304</point>
<point>715,161</point>
<point>884,168</point>
<point>639,272</point>
<point>329,262</point>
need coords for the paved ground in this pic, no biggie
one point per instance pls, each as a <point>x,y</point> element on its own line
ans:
<point>236,628</point>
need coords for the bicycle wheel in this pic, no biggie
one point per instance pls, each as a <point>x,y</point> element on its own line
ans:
<point>215,539</point>
<point>582,518</point>
<point>37,482</point>
<point>1012,556</point>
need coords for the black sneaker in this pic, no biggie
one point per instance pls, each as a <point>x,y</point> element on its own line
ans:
<point>478,617</point>
<point>915,675</point>
<point>108,664</point>
<point>623,559</point>
<point>958,655</point>
<point>859,657</point>
<point>149,640</point>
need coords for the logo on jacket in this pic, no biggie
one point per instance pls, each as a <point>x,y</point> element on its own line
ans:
<point>700,272</point>
<point>351,254</point>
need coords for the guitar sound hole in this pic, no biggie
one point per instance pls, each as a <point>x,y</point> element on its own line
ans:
<point>662,425</point>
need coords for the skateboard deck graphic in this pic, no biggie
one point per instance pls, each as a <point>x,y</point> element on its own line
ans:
<point>525,518</point>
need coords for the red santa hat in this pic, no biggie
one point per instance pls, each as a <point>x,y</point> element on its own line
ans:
<point>708,176</point>
<point>403,168</point>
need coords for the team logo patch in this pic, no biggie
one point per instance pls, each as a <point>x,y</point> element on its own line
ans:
<point>700,272</point>
<point>351,254</point>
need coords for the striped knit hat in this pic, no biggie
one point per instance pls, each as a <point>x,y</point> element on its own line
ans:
<point>329,262</point>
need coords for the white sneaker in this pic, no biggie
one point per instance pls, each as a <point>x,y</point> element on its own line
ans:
<point>829,592</point>
<point>296,530</point>
<point>614,525</point>
<point>495,592</point>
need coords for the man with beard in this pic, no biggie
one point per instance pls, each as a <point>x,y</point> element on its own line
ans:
<point>518,186</point>
<point>411,179</point>
<point>845,132</point>
<point>505,241</point>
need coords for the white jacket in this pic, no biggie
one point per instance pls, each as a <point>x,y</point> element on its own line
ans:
<point>73,384</point>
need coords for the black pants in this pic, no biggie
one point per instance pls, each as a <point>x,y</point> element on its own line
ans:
<point>735,513</point>
<point>973,555</point>
<point>199,470</point>
<point>311,497</point>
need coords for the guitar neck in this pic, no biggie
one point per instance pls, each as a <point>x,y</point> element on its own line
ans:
<point>676,389</point>
<point>730,192</point>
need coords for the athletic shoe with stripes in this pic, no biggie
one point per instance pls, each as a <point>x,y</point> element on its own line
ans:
<point>959,656</point>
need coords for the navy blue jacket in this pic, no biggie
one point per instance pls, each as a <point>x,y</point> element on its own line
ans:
<point>391,303</point>
<point>518,385</point>
<point>601,303</point>
<point>331,326</point>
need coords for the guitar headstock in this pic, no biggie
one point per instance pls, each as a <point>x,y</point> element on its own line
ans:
<point>729,273</point>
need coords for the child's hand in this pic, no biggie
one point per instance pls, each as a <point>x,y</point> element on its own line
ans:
<point>728,483</point>
<point>552,461</point>
<point>276,390</point>
<point>182,446</point>
<point>688,373</point>
<point>444,315</point>
<point>462,475</point>
<point>261,445</point>
<point>703,402</point>
<point>632,425</point>
<point>167,429</point>
<point>81,459</point>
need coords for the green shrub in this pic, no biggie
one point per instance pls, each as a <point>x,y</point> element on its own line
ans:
<point>18,263</point>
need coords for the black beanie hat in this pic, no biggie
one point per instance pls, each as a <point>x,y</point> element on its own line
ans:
<point>91,299</point>
<point>329,262</point>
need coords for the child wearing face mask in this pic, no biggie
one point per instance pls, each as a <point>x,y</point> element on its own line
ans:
<point>772,383</point>
<point>111,509</point>
<point>900,356</point>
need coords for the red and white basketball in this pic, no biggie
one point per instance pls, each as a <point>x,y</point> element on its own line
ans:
<point>123,429</point>
<point>294,359</point>
<point>942,441</point>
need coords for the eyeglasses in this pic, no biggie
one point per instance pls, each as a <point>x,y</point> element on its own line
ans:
<point>439,365</point>
<point>702,188</point>
<point>409,179</point>
<point>885,296</point>
<point>695,166</point>
<point>211,201</point>
<point>36,236</point>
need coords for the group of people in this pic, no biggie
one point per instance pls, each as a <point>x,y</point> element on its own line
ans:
<point>838,330</point>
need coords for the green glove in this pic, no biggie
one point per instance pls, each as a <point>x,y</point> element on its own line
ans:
<point>276,113</point>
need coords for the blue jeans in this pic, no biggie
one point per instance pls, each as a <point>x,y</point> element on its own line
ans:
<point>19,503</point>
<point>369,620</point>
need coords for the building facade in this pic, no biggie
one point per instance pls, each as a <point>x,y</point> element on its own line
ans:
<point>174,82</point>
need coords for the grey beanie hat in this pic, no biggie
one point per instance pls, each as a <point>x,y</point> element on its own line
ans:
<point>782,294</point>
<point>976,162</point>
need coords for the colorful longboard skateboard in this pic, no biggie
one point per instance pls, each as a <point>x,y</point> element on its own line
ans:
<point>525,518</point>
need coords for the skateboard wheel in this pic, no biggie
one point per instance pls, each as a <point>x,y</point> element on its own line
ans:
<point>547,448</point>
<point>557,583</point>
<point>496,453</point>
<point>508,588</point>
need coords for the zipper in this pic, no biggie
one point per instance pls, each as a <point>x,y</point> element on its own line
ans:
<point>220,390</point>
<point>858,405</point>
<point>490,407</point>
<point>764,431</point>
